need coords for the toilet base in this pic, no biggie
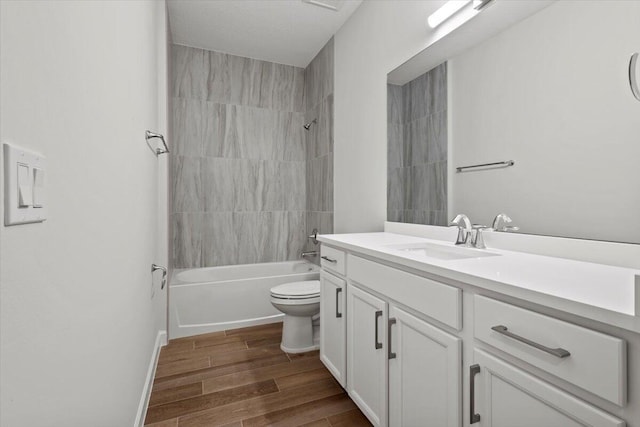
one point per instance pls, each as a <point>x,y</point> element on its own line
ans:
<point>297,335</point>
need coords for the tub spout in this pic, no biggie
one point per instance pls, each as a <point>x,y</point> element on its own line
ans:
<point>309,254</point>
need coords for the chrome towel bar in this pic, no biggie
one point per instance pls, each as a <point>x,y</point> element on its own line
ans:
<point>504,164</point>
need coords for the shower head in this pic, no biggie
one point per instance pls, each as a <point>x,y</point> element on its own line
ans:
<point>308,125</point>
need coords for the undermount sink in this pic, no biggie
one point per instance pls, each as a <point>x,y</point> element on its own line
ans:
<point>433,250</point>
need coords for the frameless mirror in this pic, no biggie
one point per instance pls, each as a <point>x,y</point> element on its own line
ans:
<point>538,120</point>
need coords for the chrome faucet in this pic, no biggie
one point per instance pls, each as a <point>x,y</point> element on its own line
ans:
<point>464,229</point>
<point>477,238</point>
<point>501,223</point>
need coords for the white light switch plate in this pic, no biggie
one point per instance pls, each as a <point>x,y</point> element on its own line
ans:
<point>13,212</point>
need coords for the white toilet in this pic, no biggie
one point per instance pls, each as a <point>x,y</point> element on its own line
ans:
<point>300,303</point>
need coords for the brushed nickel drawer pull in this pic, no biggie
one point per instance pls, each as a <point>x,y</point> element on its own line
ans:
<point>391,354</point>
<point>473,371</point>
<point>326,258</point>
<point>557,352</point>
<point>378,314</point>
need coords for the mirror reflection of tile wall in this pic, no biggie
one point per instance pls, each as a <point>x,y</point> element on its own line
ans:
<point>417,149</point>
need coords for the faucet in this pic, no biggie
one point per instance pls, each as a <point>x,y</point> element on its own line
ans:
<point>464,228</point>
<point>309,254</point>
<point>501,223</point>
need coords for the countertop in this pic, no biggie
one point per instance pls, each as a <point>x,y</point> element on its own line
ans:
<point>595,291</point>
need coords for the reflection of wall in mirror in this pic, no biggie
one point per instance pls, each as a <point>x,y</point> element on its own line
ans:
<point>552,93</point>
<point>417,149</point>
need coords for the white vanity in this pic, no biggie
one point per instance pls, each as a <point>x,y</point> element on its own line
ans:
<point>423,333</point>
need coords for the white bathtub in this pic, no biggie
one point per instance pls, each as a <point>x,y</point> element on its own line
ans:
<point>213,299</point>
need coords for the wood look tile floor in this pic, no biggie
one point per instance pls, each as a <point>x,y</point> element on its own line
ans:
<point>241,378</point>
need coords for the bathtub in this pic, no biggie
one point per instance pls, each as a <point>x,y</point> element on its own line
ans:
<point>213,299</point>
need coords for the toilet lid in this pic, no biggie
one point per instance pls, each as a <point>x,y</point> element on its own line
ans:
<point>308,288</point>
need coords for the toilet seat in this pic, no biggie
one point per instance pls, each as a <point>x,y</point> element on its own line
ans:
<point>306,290</point>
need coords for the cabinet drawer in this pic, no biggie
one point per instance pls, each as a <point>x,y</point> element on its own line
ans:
<point>595,362</point>
<point>436,300</point>
<point>333,259</point>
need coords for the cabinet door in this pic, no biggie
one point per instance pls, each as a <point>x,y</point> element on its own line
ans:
<point>506,396</point>
<point>367,354</point>
<point>424,373</point>
<point>333,328</point>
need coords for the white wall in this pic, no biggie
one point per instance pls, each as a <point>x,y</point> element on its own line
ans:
<point>553,94</point>
<point>77,322</point>
<point>378,37</point>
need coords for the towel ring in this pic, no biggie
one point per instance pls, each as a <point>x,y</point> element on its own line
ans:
<point>633,75</point>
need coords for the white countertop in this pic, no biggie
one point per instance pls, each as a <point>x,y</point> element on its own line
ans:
<point>596,291</point>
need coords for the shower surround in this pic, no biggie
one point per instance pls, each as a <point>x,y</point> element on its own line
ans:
<point>240,159</point>
<point>417,149</point>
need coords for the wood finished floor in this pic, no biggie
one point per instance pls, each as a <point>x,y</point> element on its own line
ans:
<point>241,378</point>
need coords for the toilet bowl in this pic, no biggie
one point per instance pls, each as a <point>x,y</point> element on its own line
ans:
<point>300,302</point>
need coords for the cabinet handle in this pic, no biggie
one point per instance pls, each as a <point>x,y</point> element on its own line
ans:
<point>326,258</point>
<point>473,417</point>
<point>392,355</point>
<point>338,291</point>
<point>560,353</point>
<point>378,314</point>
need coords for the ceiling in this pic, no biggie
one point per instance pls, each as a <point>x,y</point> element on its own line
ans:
<point>287,32</point>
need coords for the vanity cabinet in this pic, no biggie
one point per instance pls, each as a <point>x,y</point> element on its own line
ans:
<point>402,371</point>
<point>333,333</point>
<point>367,353</point>
<point>400,339</point>
<point>424,373</point>
<point>503,395</point>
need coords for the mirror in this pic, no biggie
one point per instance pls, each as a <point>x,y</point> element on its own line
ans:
<point>551,94</point>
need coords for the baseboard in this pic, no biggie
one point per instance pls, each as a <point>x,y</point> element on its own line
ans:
<point>161,341</point>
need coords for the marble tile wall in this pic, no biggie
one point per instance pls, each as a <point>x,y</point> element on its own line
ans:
<point>417,149</point>
<point>239,160</point>
<point>318,84</point>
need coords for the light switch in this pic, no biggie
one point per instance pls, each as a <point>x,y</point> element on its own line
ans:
<point>24,185</point>
<point>38,188</point>
<point>25,198</point>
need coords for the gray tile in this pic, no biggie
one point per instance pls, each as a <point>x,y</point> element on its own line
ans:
<point>311,134</point>
<point>246,228</point>
<point>289,137</point>
<point>273,194</point>
<point>189,126</point>
<point>324,143</point>
<point>437,137</point>
<point>395,145</point>
<point>318,76</point>
<point>437,188</point>
<point>187,195</point>
<point>420,198</point>
<point>219,241</point>
<point>189,72</point>
<point>187,240</point>
<point>394,104</point>
<point>395,195</point>
<point>395,215</point>
<point>292,185</point>
<point>218,77</point>
<point>296,234</point>
<point>221,136</point>
<point>438,88</point>
<point>218,182</point>
<point>418,134</point>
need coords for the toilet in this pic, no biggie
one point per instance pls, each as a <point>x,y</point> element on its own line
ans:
<point>300,303</point>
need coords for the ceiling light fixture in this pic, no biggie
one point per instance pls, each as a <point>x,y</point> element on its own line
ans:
<point>480,4</point>
<point>445,12</point>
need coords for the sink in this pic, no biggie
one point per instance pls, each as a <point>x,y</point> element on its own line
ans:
<point>434,250</point>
